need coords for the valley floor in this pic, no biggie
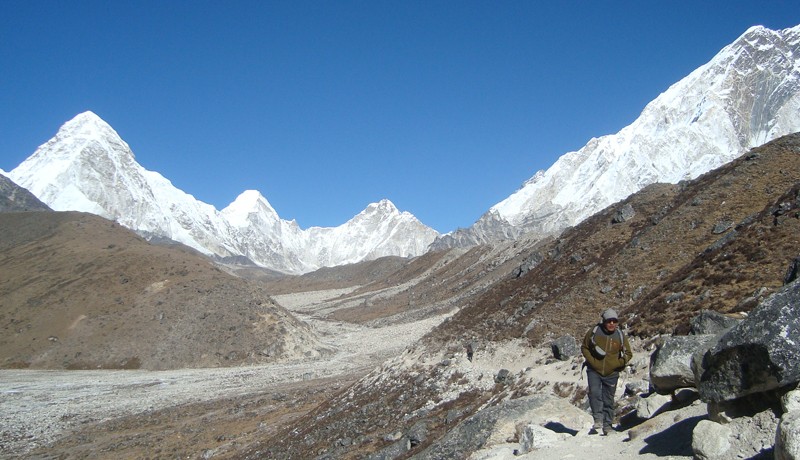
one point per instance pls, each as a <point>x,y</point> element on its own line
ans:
<point>215,413</point>
<point>44,413</point>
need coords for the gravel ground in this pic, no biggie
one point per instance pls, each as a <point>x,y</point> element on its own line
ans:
<point>38,407</point>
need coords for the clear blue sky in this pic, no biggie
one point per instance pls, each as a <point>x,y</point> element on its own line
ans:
<point>443,107</point>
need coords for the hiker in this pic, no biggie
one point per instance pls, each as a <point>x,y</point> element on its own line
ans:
<point>470,346</point>
<point>607,351</point>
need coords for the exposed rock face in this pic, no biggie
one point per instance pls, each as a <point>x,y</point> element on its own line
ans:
<point>671,364</point>
<point>711,322</point>
<point>473,433</point>
<point>15,198</point>
<point>758,355</point>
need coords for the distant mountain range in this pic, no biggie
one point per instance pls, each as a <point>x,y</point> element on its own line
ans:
<point>88,167</point>
<point>748,94</point>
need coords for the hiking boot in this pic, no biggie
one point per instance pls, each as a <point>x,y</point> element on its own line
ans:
<point>607,430</point>
<point>596,428</point>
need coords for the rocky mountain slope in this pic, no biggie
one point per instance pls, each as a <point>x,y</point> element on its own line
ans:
<point>87,167</point>
<point>15,198</point>
<point>80,292</point>
<point>746,95</point>
<point>722,242</point>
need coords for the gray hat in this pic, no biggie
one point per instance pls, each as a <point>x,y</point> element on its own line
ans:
<point>610,313</point>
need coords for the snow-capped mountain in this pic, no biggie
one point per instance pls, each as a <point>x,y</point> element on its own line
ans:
<point>88,167</point>
<point>748,94</point>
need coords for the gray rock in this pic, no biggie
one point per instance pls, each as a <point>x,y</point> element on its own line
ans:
<point>790,402</point>
<point>623,214</point>
<point>787,437</point>
<point>711,322</point>
<point>652,405</point>
<point>473,432</point>
<point>722,227</point>
<point>757,355</point>
<point>528,264</point>
<point>392,451</point>
<point>536,437</point>
<point>671,363</point>
<point>711,441</point>
<point>15,198</point>
<point>565,347</point>
<point>637,387</point>
<point>685,395</point>
<point>418,433</point>
<point>503,377</point>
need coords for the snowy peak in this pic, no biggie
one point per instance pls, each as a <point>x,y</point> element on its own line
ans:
<point>246,204</point>
<point>86,150</point>
<point>381,210</point>
<point>747,95</point>
<point>87,167</point>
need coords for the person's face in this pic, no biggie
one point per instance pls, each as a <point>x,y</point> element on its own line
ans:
<point>611,325</point>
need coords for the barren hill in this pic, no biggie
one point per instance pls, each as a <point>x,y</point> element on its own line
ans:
<point>81,292</point>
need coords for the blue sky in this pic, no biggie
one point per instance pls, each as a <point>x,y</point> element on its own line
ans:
<point>443,107</point>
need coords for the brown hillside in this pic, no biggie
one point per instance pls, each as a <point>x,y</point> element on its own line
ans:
<point>712,243</point>
<point>718,242</point>
<point>79,291</point>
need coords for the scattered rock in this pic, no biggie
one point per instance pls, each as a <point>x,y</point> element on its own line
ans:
<point>503,377</point>
<point>722,227</point>
<point>711,441</point>
<point>536,437</point>
<point>565,347</point>
<point>652,405</point>
<point>392,451</point>
<point>790,402</point>
<point>787,437</point>
<point>623,214</point>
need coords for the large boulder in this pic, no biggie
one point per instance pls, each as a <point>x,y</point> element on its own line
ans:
<point>757,355</point>
<point>711,322</point>
<point>671,363</point>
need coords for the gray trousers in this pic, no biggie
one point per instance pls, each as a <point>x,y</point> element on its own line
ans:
<point>601,395</point>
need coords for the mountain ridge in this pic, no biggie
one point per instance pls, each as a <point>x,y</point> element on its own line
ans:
<point>87,167</point>
<point>746,95</point>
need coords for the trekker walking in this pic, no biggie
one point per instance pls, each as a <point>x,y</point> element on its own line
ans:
<point>607,351</point>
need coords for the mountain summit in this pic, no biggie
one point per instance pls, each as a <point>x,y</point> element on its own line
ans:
<point>748,94</point>
<point>88,167</point>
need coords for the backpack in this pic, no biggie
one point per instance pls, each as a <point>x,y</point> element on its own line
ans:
<point>621,340</point>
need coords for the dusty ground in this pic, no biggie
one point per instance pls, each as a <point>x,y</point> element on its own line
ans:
<point>188,413</point>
